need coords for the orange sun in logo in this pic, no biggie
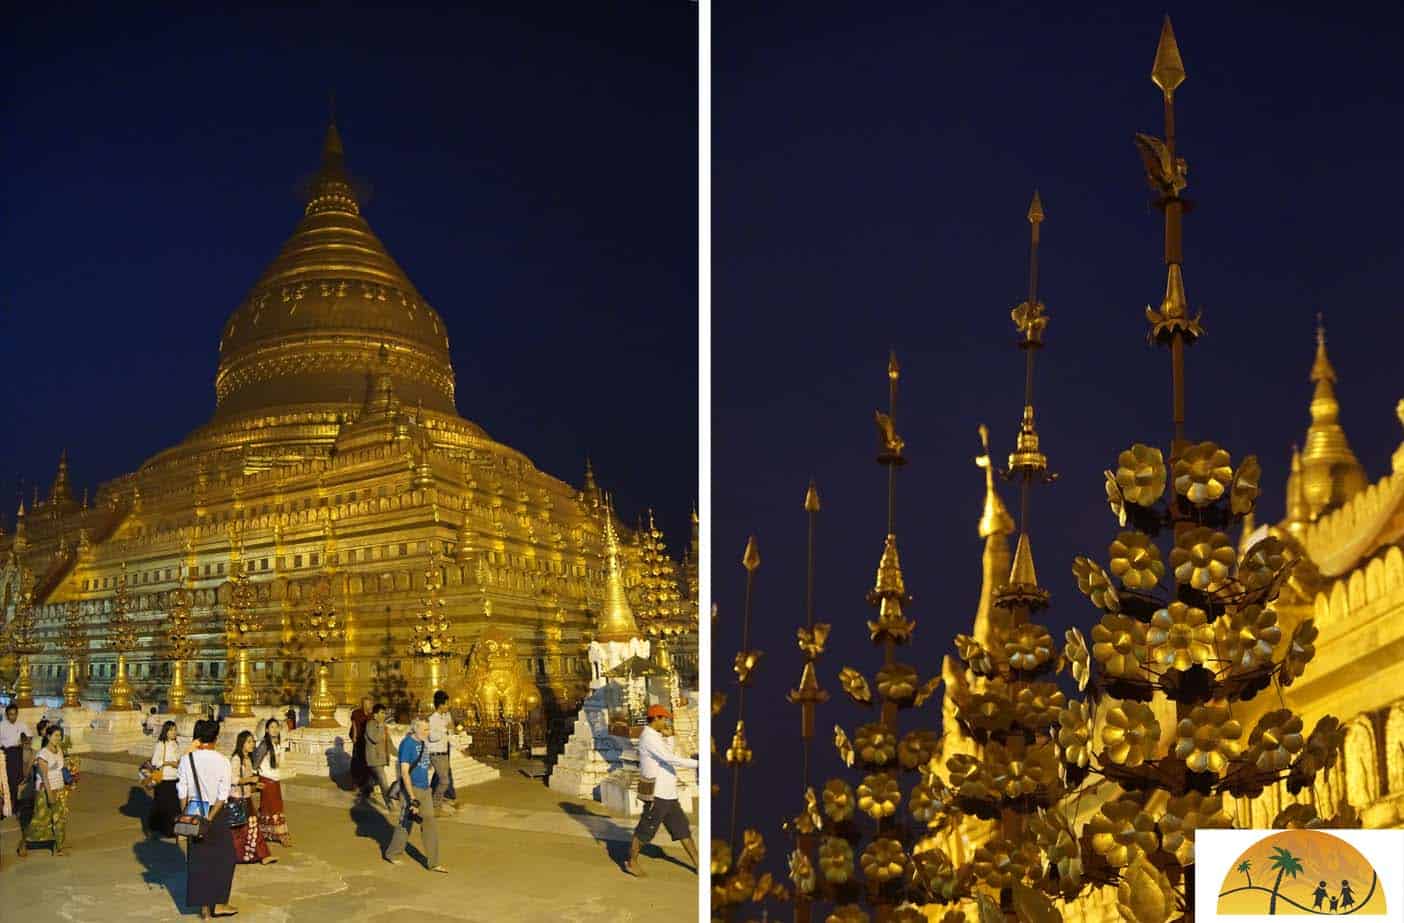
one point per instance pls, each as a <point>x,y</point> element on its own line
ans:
<point>1305,872</point>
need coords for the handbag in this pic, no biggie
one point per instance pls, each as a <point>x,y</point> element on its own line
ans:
<point>194,826</point>
<point>238,811</point>
<point>645,789</point>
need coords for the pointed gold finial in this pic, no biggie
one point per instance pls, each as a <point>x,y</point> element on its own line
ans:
<point>995,519</point>
<point>1035,209</point>
<point>811,498</point>
<point>1023,570</point>
<point>889,582</point>
<point>894,370</point>
<point>617,620</point>
<point>750,559</point>
<point>1168,71</point>
<point>1321,369</point>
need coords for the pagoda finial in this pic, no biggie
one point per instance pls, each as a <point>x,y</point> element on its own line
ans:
<point>1321,369</point>
<point>331,189</point>
<point>60,492</point>
<point>1168,72</point>
<point>994,519</point>
<point>617,618</point>
<point>1330,471</point>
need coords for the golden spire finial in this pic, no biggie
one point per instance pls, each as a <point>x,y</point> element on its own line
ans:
<point>995,519</point>
<point>1035,215</point>
<point>1023,570</point>
<point>811,498</point>
<point>1168,72</point>
<point>750,558</point>
<point>617,619</point>
<point>1321,369</point>
<point>894,370</point>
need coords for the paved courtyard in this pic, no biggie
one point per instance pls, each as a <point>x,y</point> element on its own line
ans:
<point>516,851</point>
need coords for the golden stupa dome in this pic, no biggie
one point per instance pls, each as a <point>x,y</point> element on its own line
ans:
<point>315,322</point>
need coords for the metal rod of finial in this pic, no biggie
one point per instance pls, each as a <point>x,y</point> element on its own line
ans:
<point>741,697</point>
<point>893,373</point>
<point>811,506</point>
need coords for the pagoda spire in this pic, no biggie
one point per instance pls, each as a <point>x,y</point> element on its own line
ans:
<point>331,188</point>
<point>1330,471</point>
<point>996,525</point>
<point>1026,463</point>
<point>616,617</point>
<point>60,494</point>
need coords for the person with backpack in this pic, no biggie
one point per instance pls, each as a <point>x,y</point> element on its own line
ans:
<point>203,783</point>
<point>417,797</point>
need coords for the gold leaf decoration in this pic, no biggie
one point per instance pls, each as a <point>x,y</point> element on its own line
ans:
<point>1122,832</point>
<point>1246,637</point>
<point>836,860</point>
<point>1145,895</point>
<point>1029,646</point>
<point>721,857</point>
<point>927,690</point>
<point>802,872</point>
<point>811,643</point>
<point>1033,907</point>
<point>1095,584</point>
<point>1119,645</point>
<point>745,663</point>
<point>1140,474</point>
<point>879,795</point>
<point>1135,560</point>
<point>1075,734</point>
<point>841,743</point>
<point>1203,473</point>
<point>1243,493</point>
<point>876,744</point>
<point>856,685</point>
<point>1207,739</point>
<point>839,802</point>
<point>897,682</point>
<point>1115,500</point>
<point>1130,733</point>
<point>1202,558</point>
<point>1180,636</point>
<point>883,860</point>
<point>1300,651</point>
<point>1186,814</point>
<point>1076,651</point>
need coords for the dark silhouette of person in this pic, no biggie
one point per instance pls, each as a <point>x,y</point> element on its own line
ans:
<point>1347,899</point>
<point>1334,901</point>
<point>1319,894</point>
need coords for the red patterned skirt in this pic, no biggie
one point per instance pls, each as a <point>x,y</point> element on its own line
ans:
<point>271,822</point>
<point>249,843</point>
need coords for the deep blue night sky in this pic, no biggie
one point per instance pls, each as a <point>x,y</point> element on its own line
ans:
<point>534,172</point>
<point>872,171</point>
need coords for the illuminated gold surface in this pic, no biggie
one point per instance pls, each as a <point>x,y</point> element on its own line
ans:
<point>335,441</point>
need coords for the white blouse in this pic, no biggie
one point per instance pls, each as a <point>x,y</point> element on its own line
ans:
<point>215,776</point>
<point>167,751</point>
<point>54,761</point>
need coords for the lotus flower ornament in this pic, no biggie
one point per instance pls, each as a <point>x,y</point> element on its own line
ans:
<point>1140,474</point>
<point>1207,739</point>
<point>1202,558</point>
<point>1136,560</point>
<point>1203,473</point>
<point>1130,733</point>
<point>1180,637</point>
<point>1119,645</point>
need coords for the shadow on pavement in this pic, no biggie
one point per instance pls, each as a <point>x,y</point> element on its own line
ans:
<point>613,837</point>
<point>163,864</point>
<point>373,825</point>
<point>138,805</point>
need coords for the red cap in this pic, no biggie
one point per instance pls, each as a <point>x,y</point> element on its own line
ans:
<point>658,711</point>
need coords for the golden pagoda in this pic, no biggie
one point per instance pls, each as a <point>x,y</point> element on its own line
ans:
<point>336,452</point>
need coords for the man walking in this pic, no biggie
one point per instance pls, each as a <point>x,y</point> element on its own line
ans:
<point>11,730</point>
<point>440,727</point>
<point>378,752</point>
<point>659,764</point>
<point>414,779</point>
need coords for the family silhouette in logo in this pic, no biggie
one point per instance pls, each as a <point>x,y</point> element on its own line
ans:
<point>1338,901</point>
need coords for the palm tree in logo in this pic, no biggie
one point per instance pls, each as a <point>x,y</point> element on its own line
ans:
<point>1243,867</point>
<point>1286,864</point>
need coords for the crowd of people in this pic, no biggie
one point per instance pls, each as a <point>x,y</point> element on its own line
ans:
<point>228,807</point>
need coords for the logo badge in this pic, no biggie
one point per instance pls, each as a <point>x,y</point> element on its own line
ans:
<point>1242,876</point>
